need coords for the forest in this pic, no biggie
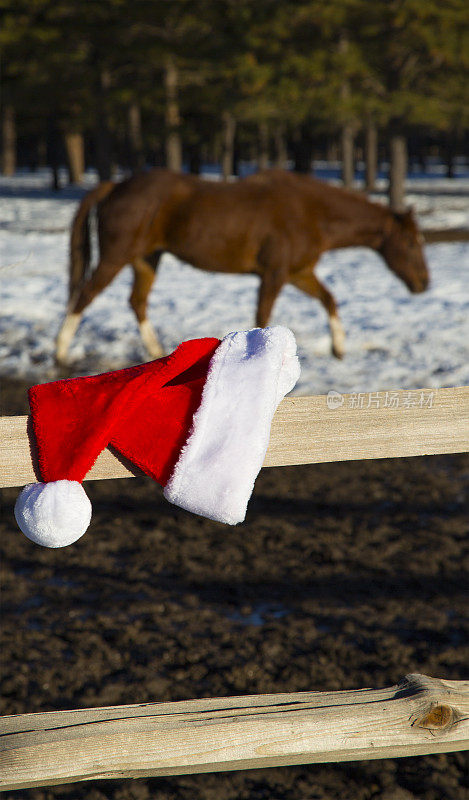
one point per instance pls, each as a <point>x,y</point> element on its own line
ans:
<point>183,83</point>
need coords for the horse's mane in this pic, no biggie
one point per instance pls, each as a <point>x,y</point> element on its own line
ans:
<point>318,189</point>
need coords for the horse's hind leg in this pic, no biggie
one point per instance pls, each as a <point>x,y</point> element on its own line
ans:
<point>102,277</point>
<point>306,281</point>
<point>144,276</point>
<point>66,333</point>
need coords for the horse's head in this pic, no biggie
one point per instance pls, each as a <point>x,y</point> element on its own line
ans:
<point>402,249</point>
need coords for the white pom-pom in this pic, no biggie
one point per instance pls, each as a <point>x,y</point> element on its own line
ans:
<point>53,514</point>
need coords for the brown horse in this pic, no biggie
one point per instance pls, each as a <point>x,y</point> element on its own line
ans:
<point>274,224</point>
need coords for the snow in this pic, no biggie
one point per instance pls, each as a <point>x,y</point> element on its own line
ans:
<point>394,339</point>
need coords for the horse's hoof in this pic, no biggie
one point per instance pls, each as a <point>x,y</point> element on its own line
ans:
<point>150,340</point>
<point>61,362</point>
<point>337,336</point>
<point>63,368</point>
<point>155,352</point>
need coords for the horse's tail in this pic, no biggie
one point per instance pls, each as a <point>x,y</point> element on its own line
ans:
<point>80,242</point>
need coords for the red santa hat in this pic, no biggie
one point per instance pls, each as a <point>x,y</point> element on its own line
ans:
<point>197,422</point>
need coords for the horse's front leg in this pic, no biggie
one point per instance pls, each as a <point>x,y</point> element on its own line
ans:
<point>271,284</point>
<point>144,272</point>
<point>306,281</point>
<point>274,274</point>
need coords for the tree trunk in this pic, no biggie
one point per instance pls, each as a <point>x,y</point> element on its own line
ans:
<point>263,159</point>
<point>449,156</point>
<point>195,159</point>
<point>348,128</point>
<point>42,152</point>
<point>172,117</point>
<point>103,137</point>
<point>397,172</point>
<point>9,140</point>
<point>281,154</point>
<point>75,148</point>
<point>348,161</point>
<point>301,148</point>
<point>371,156</point>
<point>236,159</point>
<point>332,152</point>
<point>54,141</point>
<point>424,161</point>
<point>134,120</point>
<point>229,131</point>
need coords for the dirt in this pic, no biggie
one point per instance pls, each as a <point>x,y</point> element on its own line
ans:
<point>343,576</point>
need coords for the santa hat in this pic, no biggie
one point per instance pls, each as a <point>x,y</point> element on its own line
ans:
<point>197,422</point>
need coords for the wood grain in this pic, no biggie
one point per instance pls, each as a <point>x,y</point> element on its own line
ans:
<point>306,431</point>
<point>156,739</point>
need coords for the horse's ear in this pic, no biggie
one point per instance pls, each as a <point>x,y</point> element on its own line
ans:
<point>405,216</point>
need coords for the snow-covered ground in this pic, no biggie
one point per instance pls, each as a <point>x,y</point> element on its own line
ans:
<point>394,339</point>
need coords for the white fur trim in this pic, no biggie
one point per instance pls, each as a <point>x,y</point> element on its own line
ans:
<point>53,514</point>
<point>249,374</point>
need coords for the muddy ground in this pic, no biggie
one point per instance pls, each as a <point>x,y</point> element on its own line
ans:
<point>343,576</point>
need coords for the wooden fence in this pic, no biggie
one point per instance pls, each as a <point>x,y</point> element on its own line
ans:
<point>420,715</point>
<point>306,430</point>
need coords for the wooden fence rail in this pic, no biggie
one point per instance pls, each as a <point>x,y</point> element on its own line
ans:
<point>420,715</point>
<point>307,430</point>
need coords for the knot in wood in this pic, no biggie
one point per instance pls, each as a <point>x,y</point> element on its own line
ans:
<point>438,718</point>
